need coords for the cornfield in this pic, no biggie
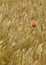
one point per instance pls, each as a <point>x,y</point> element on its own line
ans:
<point>20,43</point>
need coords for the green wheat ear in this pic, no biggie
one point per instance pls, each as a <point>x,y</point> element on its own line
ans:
<point>0,2</point>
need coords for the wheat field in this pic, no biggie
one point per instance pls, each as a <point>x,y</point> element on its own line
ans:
<point>20,43</point>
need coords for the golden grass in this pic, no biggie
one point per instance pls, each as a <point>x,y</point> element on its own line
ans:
<point>20,44</point>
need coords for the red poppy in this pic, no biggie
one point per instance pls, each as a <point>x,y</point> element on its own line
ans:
<point>33,25</point>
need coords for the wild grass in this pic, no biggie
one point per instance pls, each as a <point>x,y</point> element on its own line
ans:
<point>20,44</point>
